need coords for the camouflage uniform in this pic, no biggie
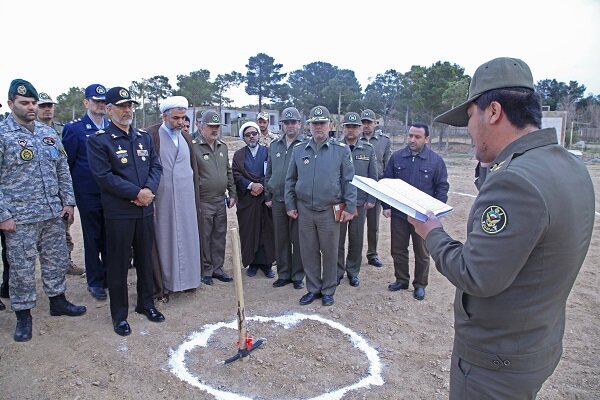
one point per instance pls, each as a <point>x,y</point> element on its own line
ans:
<point>267,139</point>
<point>35,185</point>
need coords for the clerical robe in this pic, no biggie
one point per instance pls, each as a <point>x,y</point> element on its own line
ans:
<point>177,239</point>
<point>254,217</point>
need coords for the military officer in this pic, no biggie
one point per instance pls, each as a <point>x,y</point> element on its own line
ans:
<point>217,191</point>
<point>318,184</point>
<point>266,136</point>
<point>287,244</point>
<point>127,170</point>
<point>36,198</point>
<point>528,233</point>
<point>383,151</point>
<point>46,116</point>
<point>87,191</point>
<point>365,164</point>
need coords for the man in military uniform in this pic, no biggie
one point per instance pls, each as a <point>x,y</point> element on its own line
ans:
<point>365,164</point>
<point>528,233</point>
<point>383,150</point>
<point>317,185</point>
<point>46,116</point>
<point>36,198</point>
<point>287,244</point>
<point>87,191</point>
<point>266,136</point>
<point>126,168</point>
<point>217,191</point>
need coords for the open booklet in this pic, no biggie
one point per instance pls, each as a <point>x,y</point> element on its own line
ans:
<point>402,196</point>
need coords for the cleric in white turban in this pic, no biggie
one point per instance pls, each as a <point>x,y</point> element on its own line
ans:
<point>173,102</point>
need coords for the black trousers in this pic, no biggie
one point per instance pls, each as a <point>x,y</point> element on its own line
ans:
<point>94,245</point>
<point>121,235</point>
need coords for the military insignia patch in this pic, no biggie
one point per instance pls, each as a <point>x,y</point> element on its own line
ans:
<point>43,96</point>
<point>289,115</point>
<point>352,118</point>
<point>26,155</point>
<point>278,155</point>
<point>306,160</point>
<point>123,93</point>
<point>493,220</point>
<point>21,90</point>
<point>318,111</point>
<point>49,141</point>
<point>100,90</point>
<point>88,126</point>
<point>221,154</point>
<point>124,160</point>
<point>205,157</point>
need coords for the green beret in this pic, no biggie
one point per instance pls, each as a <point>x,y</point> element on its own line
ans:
<point>22,88</point>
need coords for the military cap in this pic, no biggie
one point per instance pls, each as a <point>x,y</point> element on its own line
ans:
<point>23,88</point>
<point>210,117</point>
<point>95,92</point>
<point>119,95</point>
<point>44,98</point>
<point>498,73</point>
<point>368,115</point>
<point>319,113</point>
<point>351,118</point>
<point>290,114</point>
<point>263,115</point>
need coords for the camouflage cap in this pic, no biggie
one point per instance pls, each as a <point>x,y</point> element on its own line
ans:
<point>119,95</point>
<point>319,113</point>
<point>44,98</point>
<point>498,73</point>
<point>290,114</point>
<point>21,87</point>
<point>367,115</point>
<point>263,115</point>
<point>351,118</point>
<point>210,117</point>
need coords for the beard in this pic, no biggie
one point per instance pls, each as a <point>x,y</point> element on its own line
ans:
<point>252,144</point>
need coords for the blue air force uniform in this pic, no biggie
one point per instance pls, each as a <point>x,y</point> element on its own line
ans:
<point>122,165</point>
<point>87,195</point>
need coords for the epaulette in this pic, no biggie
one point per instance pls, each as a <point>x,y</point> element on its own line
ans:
<point>194,141</point>
<point>338,143</point>
<point>141,130</point>
<point>59,123</point>
<point>100,132</point>
<point>365,143</point>
<point>299,143</point>
<point>496,166</point>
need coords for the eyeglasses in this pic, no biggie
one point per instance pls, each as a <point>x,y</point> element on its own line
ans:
<point>248,134</point>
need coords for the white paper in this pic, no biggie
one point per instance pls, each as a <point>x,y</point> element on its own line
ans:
<point>402,196</point>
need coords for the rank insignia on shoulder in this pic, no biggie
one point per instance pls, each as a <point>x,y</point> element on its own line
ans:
<point>496,166</point>
<point>493,220</point>
<point>141,130</point>
<point>194,141</point>
<point>88,126</point>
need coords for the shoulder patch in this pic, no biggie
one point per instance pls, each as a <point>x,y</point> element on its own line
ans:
<point>493,220</point>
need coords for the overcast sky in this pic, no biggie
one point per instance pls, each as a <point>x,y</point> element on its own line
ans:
<point>59,44</point>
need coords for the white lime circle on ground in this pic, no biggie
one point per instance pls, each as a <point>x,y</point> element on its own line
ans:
<point>200,339</point>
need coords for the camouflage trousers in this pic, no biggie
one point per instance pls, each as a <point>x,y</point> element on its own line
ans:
<point>45,239</point>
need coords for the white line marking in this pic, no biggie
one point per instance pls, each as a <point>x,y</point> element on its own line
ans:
<point>178,365</point>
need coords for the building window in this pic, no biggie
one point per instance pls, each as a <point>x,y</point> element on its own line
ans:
<point>227,118</point>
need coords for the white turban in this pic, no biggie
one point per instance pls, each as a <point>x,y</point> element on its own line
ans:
<point>246,125</point>
<point>173,102</point>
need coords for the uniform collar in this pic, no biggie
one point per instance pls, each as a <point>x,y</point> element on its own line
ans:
<point>532,140</point>
<point>116,132</point>
<point>13,125</point>
<point>358,145</point>
<point>312,144</point>
<point>202,141</point>
<point>424,154</point>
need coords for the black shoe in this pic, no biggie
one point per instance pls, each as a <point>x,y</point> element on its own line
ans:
<point>395,286</point>
<point>2,306</point>
<point>151,313</point>
<point>99,293</point>
<point>207,280</point>
<point>59,305</point>
<point>327,300</point>
<point>223,278</point>
<point>251,270</point>
<point>298,284</point>
<point>309,298</point>
<point>354,281</point>
<point>375,261</point>
<point>122,328</point>
<point>24,326</point>
<point>281,282</point>
<point>419,293</point>
<point>4,291</point>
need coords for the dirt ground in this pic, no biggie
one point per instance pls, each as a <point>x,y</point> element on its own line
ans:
<point>369,333</point>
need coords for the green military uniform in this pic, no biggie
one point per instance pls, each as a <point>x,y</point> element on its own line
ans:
<point>318,178</point>
<point>365,164</point>
<point>287,243</point>
<point>216,178</point>
<point>525,245</point>
<point>383,151</point>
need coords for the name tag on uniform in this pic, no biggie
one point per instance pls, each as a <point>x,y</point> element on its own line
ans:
<point>362,157</point>
<point>142,153</point>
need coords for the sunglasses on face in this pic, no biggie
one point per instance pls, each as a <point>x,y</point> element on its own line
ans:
<point>249,134</point>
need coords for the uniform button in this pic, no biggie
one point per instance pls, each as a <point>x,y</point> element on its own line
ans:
<point>506,363</point>
<point>496,363</point>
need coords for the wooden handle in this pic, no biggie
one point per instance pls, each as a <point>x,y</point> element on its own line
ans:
<point>239,289</point>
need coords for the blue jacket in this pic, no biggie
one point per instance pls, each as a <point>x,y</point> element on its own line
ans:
<point>75,135</point>
<point>426,171</point>
<point>123,164</point>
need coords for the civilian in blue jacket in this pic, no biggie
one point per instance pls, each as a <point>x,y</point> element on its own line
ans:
<point>424,169</point>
